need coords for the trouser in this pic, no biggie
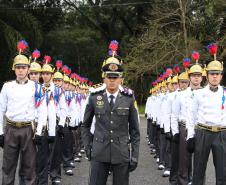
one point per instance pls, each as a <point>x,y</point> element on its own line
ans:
<point>173,179</point>
<point>67,152</point>
<point>56,158</point>
<point>18,141</point>
<point>148,126</point>
<point>150,132</point>
<point>167,156</point>
<point>204,142</point>
<point>154,132</point>
<point>77,146</point>
<point>162,147</point>
<point>185,159</point>
<point>158,133</point>
<point>43,156</point>
<point>99,173</point>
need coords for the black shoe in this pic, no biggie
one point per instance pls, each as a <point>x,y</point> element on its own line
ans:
<point>69,172</point>
<point>72,164</point>
<point>56,181</point>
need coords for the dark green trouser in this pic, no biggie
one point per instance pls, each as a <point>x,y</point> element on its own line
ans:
<point>99,173</point>
<point>204,142</point>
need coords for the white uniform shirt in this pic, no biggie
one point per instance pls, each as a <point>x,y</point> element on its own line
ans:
<point>71,107</point>
<point>158,108</point>
<point>61,107</point>
<point>207,109</point>
<point>148,107</point>
<point>179,110</point>
<point>17,102</point>
<point>55,108</point>
<point>170,100</point>
<point>153,110</point>
<point>166,112</point>
<point>162,110</point>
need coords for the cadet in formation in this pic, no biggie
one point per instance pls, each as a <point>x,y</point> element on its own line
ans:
<point>192,120</point>
<point>40,119</point>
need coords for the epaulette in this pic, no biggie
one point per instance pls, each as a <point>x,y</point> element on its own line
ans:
<point>126,91</point>
<point>97,85</point>
<point>98,89</point>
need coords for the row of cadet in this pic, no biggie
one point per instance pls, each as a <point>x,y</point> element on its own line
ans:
<point>186,119</point>
<point>42,120</point>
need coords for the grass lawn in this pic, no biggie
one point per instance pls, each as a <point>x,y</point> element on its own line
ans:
<point>141,109</point>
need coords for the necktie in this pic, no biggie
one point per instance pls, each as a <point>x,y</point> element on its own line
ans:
<point>111,101</point>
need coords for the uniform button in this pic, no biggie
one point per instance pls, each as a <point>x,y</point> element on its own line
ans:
<point>111,131</point>
<point>111,122</point>
<point>111,112</point>
<point>111,140</point>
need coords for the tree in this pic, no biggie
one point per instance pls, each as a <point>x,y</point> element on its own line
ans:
<point>15,24</point>
<point>175,28</point>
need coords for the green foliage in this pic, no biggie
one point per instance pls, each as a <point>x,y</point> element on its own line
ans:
<point>174,30</point>
<point>152,36</point>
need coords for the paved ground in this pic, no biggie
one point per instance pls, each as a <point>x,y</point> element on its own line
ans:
<point>146,173</point>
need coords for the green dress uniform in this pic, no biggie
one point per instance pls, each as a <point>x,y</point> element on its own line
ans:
<point>116,138</point>
<point>115,130</point>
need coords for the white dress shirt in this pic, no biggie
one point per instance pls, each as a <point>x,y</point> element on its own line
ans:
<point>153,110</point>
<point>207,109</point>
<point>180,109</point>
<point>61,108</point>
<point>170,100</point>
<point>166,112</point>
<point>109,94</point>
<point>17,102</point>
<point>158,109</point>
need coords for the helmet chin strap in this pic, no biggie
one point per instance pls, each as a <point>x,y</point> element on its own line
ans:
<point>24,78</point>
<point>214,86</point>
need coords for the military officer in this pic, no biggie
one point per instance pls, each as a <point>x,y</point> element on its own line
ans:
<point>116,136</point>
<point>207,129</point>
<point>19,101</point>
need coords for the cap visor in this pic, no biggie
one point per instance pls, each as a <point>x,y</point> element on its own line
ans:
<point>214,72</point>
<point>113,75</point>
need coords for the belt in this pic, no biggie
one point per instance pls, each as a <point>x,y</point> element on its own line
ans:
<point>181,123</point>
<point>68,120</point>
<point>210,128</point>
<point>18,124</point>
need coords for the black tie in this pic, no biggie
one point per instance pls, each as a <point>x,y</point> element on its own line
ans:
<point>111,101</point>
